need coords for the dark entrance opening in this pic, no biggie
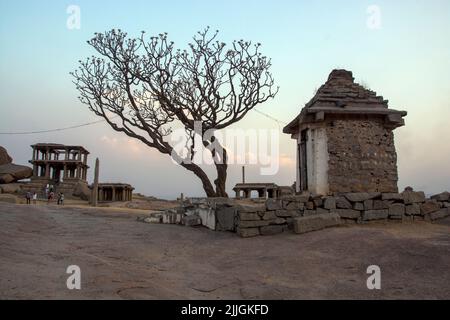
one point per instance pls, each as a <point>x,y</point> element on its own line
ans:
<point>302,160</point>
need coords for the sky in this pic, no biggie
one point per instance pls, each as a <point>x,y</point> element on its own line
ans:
<point>400,49</point>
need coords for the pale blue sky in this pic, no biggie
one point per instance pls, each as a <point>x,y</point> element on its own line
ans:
<point>407,61</point>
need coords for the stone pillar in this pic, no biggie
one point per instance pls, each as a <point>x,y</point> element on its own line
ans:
<point>47,170</point>
<point>94,195</point>
<point>113,197</point>
<point>238,193</point>
<point>78,173</point>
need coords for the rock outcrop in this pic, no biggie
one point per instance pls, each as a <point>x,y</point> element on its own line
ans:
<point>4,156</point>
<point>82,191</point>
<point>12,172</point>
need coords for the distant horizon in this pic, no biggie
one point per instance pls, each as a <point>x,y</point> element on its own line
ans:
<point>403,55</point>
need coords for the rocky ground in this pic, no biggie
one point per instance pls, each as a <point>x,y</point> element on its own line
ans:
<point>122,258</point>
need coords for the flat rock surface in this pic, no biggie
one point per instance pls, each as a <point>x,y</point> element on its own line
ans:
<point>121,258</point>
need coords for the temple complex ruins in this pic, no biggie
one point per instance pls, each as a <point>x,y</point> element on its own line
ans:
<point>345,140</point>
<point>56,162</point>
<point>64,169</point>
<point>115,192</point>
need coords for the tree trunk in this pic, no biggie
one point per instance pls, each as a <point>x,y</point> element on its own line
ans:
<point>221,180</point>
<point>207,186</point>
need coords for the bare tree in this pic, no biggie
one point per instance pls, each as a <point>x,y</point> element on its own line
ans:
<point>145,87</point>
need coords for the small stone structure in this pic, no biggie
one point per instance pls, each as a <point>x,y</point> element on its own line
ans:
<point>115,192</point>
<point>344,139</point>
<point>265,190</point>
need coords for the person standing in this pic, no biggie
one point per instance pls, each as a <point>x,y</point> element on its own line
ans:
<point>61,199</point>
<point>50,197</point>
<point>34,197</point>
<point>28,197</point>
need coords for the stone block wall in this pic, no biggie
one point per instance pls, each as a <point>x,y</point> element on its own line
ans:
<point>279,215</point>
<point>362,156</point>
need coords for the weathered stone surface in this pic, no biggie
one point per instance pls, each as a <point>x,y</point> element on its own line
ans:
<point>249,216</point>
<point>269,230</point>
<point>82,191</point>
<point>380,204</point>
<point>316,222</point>
<point>8,198</point>
<point>248,232</point>
<point>412,209</point>
<point>12,172</point>
<point>192,220</point>
<point>392,196</point>
<point>171,216</point>
<point>310,205</point>
<point>343,203</point>
<point>269,215</point>
<point>309,213</point>
<point>442,213</point>
<point>396,209</point>
<point>321,210</point>
<point>294,205</point>
<point>444,196</point>
<point>361,196</point>
<point>349,142</point>
<point>277,221</point>
<point>348,213</point>
<point>4,156</point>
<point>429,207</point>
<point>273,204</point>
<point>287,213</point>
<point>375,215</point>
<point>253,224</point>
<point>318,202</point>
<point>226,218</point>
<point>410,197</point>
<point>329,203</point>
<point>10,188</point>
<point>368,205</point>
<point>298,198</point>
<point>251,207</point>
<point>153,219</point>
<point>446,204</point>
<point>358,206</point>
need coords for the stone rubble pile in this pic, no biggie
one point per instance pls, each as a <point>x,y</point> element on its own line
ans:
<point>305,212</point>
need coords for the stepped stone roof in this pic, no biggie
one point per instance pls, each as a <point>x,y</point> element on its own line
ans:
<point>340,94</point>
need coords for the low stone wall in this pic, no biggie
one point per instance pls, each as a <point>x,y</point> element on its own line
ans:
<point>303,213</point>
<point>279,215</point>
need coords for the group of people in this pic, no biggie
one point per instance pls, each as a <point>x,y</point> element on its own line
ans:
<point>30,197</point>
<point>49,194</point>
